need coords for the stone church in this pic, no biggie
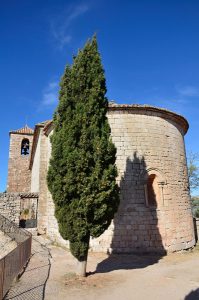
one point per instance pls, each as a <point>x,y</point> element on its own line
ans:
<point>155,210</point>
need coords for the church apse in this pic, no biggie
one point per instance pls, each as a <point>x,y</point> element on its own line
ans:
<point>155,210</point>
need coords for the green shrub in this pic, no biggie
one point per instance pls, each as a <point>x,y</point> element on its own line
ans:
<point>196,213</point>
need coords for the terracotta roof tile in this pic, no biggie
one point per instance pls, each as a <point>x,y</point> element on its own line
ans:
<point>112,105</point>
<point>44,123</point>
<point>24,130</point>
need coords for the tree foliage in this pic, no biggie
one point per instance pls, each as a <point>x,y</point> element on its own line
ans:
<point>82,172</point>
<point>193,170</point>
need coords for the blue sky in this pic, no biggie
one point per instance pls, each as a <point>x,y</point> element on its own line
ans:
<point>149,49</point>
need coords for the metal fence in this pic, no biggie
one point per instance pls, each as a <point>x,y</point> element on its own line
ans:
<point>13,263</point>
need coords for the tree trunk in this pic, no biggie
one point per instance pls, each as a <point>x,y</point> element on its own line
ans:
<point>82,262</point>
<point>81,268</point>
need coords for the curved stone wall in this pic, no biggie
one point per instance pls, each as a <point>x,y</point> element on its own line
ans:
<point>155,211</point>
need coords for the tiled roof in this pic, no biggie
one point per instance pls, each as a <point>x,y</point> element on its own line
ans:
<point>24,130</point>
<point>44,123</point>
<point>165,113</point>
<point>47,126</point>
<point>112,105</point>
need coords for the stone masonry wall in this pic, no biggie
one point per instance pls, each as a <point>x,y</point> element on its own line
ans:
<point>36,167</point>
<point>43,189</point>
<point>19,176</point>
<point>46,218</point>
<point>148,144</point>
<point>10,206</point>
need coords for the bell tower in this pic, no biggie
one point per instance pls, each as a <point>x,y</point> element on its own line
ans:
<point>19,176</point>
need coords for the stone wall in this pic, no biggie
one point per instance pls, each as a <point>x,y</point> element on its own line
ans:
<point>52,225</point>
<point>42,204</point>
<point>36,166</point>
<point>150,144</point>
<point>7,244</point>
<point>47,222</point>
<point>10,206</point>
<point>19,176</point>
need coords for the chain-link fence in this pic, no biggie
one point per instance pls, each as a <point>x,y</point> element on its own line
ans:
<point>13,263</point>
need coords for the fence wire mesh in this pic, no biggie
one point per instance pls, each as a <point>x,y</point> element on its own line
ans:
<point>13,263</point>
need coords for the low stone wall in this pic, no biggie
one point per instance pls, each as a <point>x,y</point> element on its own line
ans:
<point>6,244</point>
<point>12,203</point>
<point>10,206</point>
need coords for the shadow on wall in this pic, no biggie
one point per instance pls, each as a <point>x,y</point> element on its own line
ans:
<point>193,295</point>
<point>136,233</point>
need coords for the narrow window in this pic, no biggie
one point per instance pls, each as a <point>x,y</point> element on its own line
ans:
<point>152,190</point>
<point>25,147</point>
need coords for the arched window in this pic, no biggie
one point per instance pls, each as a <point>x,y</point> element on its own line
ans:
<point>154,184</point>
<point>25,147</point>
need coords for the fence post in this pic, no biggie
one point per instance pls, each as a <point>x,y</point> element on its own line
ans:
<point>2,272</point>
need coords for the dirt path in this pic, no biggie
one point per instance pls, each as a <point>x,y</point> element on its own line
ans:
<point>127,277</point>
<point>50,276</point>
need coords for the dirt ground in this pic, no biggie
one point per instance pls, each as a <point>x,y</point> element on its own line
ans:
<point>124,277</point>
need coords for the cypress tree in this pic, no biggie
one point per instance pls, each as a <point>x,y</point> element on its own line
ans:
<point>82,172</point>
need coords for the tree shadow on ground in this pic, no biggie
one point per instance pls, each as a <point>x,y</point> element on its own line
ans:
<point>136,242</point>
<point>193,295</point>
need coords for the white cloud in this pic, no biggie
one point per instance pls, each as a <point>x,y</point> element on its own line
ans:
<point>50,94</point>
<point>178,98</point>
<point>60,26</point>
<point>76,12</point>
<point>61,37</point>
<point>188,91</point>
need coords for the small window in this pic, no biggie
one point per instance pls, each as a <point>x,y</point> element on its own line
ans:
<point>154,186</point>
<point>152,190</point>
<point>25,147</point>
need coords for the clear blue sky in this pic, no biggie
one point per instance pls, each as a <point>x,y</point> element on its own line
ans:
<point>149,49</point>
